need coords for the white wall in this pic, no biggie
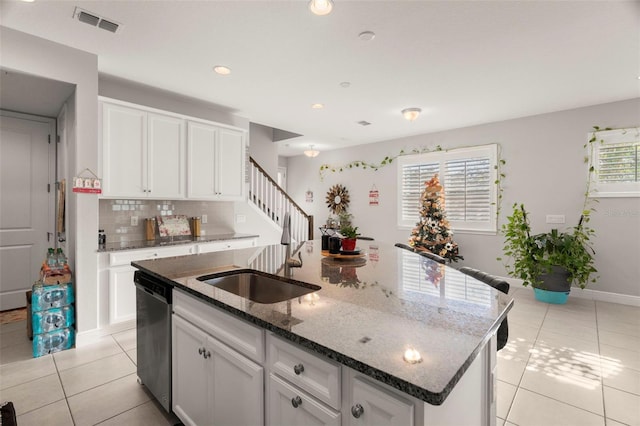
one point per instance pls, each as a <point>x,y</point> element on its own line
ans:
<point>141,94</point>
<point>545,170</point>
<point>263,150</point>
<point>32,55</point>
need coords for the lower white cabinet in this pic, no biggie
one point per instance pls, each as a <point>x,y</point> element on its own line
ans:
<point>370,405</point>
<point>122,294</point>
<point>212,383</point>
<point>289,405</point>
<point>190,375</point>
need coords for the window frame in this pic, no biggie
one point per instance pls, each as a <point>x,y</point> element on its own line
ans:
<point>489,151</point>
<point>605,138</point>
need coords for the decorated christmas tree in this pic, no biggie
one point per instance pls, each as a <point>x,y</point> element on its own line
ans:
<point>432,232</point>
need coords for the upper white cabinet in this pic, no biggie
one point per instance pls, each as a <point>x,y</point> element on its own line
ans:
<point>143,153</point>
<point>215,162</point>
<point>147,153</point>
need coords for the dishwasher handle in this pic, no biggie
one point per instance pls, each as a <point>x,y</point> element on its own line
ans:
<point>153,287</point>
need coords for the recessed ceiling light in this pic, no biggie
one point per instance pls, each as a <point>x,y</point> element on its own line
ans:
<point>367,35</point>
<point>28,1</point>
<point>321,7</point>
<point>317,106</point>
<point>222,70</point>
<point>345,84</point>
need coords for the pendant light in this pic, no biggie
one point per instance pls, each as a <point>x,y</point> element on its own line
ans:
<point>311,152</point>
<point>411,113</point>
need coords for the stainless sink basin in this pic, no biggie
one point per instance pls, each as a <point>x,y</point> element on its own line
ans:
<point>259,288</point>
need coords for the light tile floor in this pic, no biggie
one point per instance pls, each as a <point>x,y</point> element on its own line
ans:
<point>573,364</point>
<point>90,385</point>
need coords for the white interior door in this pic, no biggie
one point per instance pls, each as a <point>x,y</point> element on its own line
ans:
<point>27,215</point>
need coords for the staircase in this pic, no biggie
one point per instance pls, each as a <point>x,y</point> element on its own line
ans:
<point>274,202</point>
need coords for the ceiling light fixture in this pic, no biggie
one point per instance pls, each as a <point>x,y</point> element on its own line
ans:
<point>222,70</point>
<point>411,113</point>
<point>321,7</point>
<point>317,106</point>
<point>311,152</point>
<point>367,35</point>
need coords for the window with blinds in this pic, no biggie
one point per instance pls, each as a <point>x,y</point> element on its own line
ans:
<point>468,177</point>
<point>616,158</point>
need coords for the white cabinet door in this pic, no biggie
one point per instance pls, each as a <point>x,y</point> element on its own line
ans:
<point>124,150</point>
<point>215,162</point>
<point>165,157</point>
<point>237,389</point>
<point>190,375</point>
<point>201,160</point>
<point>372,405</point>
<point>289,405</point>
<point>231,165</point>
<point>122,294</point>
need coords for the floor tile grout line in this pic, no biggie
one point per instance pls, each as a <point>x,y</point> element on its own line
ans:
<point>604,404</point>
<point>66,398</point>
<point>518,386</point>
<point>125,411</point>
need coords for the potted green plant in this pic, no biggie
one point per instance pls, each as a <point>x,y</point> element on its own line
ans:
<point>550,261</point>
<point>349,235</point>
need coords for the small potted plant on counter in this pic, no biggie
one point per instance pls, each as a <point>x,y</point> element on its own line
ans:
<point>349,235</point>
<point>550,261</point>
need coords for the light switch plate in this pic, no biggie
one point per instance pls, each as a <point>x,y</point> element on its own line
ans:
<point>134,220</point>
<point>555,218</point>
<point>204,219</point>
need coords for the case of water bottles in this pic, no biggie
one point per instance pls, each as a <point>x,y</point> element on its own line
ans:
<point>52,310</point>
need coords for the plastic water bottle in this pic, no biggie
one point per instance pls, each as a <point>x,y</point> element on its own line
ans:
<point>51,259</point>
<point>61,258</point>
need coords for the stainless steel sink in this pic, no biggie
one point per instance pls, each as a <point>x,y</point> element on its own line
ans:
<point>260,288</point>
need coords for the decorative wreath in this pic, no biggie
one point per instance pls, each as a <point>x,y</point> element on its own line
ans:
<point>338,199</point>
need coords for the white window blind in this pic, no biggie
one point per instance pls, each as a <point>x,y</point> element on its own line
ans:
<point>452,285</point>
<point>616,158</point>
<point>468,177</point>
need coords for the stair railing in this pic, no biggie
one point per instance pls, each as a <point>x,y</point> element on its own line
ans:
<point>274,202</point>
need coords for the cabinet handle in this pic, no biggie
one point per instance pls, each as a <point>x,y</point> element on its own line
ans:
<point>200,351</point>
<point>207,354</point>
<point>298,369</point>
<point>296,402</point>
<point>357,410</point>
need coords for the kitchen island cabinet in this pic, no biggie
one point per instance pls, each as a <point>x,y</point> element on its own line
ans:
<point>212,383</point>
<point>364,317</point>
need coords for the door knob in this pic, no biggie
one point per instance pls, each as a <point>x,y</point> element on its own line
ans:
<point>296,402</point>
<point>298,369</point>
<point>357,410</point>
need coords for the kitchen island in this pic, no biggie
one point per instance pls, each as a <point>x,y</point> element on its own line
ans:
<point>370,319</point>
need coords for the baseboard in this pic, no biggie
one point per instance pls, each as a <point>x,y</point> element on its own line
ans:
<point>87,337</point>
<point>600,296</point>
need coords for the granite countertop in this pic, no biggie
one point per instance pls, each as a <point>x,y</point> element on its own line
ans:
<point>165,242</point>
<point>368,312</point>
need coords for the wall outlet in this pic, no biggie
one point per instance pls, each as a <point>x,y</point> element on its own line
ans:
<point>240,218</point>
<point>203,219</point>
<point>555,218</point>
<point>134,220</point>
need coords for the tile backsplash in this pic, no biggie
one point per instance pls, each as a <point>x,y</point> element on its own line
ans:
<point>116,216</point>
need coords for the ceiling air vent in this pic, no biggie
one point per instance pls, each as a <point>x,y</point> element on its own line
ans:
<point>364,123</point>
<point>95,20</point>
<point>108,25</point>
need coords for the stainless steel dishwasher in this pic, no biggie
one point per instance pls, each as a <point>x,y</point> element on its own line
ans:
<point>153,330</point>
